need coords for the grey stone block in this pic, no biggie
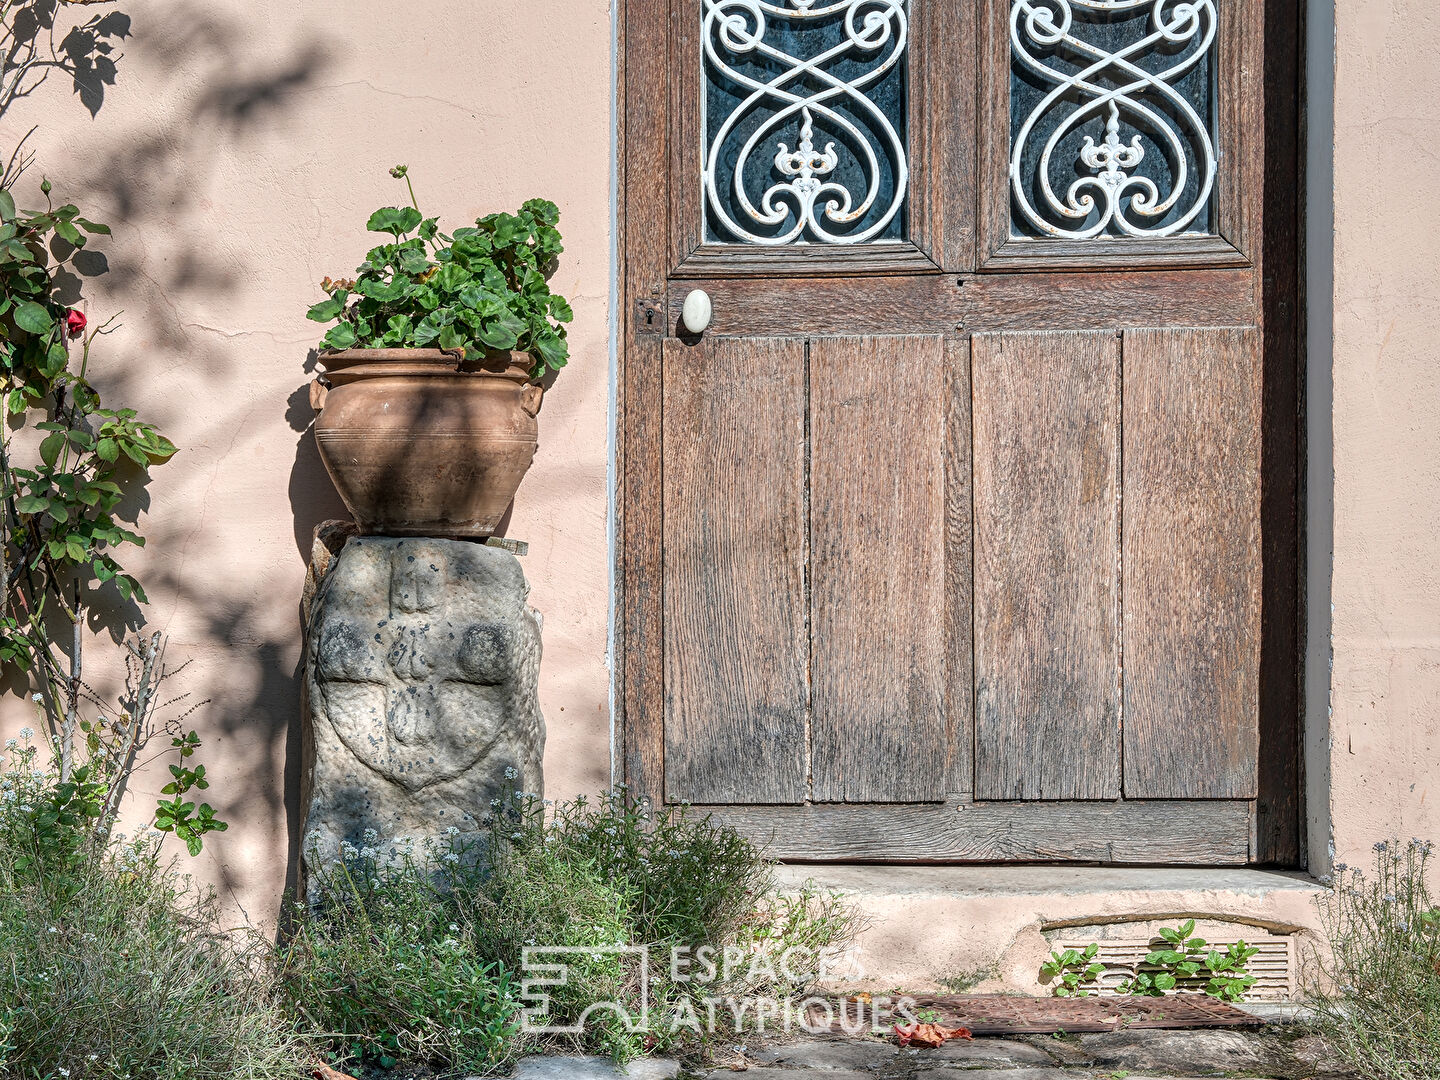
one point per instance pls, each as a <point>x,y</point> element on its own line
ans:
<point>422,665</point>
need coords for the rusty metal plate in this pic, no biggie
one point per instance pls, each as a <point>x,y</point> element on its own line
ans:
<point>1001,1014</point>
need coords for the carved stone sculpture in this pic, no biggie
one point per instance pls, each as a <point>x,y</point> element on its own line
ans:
<point>421,671</point>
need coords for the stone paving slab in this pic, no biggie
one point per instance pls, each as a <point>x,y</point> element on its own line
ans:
<point>983,1052</point>
<point>594,1068</point>
<point>1213,1052</point>
<point>1147,1054</point>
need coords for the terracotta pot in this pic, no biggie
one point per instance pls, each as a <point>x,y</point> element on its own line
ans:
<point>422,443</point>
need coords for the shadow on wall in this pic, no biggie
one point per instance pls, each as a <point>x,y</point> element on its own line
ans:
<point>226,87</point>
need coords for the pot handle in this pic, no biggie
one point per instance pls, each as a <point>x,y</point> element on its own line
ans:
<point>318,393</point>
<point>531,398</point>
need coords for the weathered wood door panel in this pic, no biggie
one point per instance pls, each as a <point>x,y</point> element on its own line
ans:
<point>945,540</point>
<point>734,572</point>
<point>1192,567</point>
<point>877,528</point>
<point>1047,573</point>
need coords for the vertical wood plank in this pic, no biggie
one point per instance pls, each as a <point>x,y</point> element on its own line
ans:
<point>942,123</point>
<point>992,110</point>
<point>643,220</point>
<point>877,528</point>
<point>734,578</point>
<point>1281,609</point>
<point>959,574</point>
<point>1192,562</point>
<point>1047,540</point>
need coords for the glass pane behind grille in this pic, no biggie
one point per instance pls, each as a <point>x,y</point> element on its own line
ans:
<point>1120,93</point>
<point>804,100</point>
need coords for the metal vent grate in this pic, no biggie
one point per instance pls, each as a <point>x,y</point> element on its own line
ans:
<point>1272,966</point>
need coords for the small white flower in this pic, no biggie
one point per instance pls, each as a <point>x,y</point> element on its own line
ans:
<point>36,698</point>
<point>27,733</point>
<point>370,836</point>
<point>510,774</point>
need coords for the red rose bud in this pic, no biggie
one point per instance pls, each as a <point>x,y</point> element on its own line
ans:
<point>75,322</point>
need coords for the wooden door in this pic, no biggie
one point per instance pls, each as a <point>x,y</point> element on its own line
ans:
<point>966,531</point>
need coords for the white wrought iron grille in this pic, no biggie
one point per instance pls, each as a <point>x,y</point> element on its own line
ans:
<point>826,77</point>
<point>1112,117</point>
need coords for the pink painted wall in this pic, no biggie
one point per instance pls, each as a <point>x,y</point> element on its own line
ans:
<point>237,155</point>
<point>1384,756</point>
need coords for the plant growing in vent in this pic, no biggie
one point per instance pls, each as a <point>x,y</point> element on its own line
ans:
<point>1071,969</point>
<point>1185,958</point>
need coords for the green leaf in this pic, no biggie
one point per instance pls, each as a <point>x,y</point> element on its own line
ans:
<point>384,292</point>
<point>325,310</point>
<point>560,308</point>
<point>394,219</point>
<point>1168,934</point>
<point>497,336</point>
<point>51,446</point>
<point>341,336</point>
<point>7,205</point>
<point>106,449</point>
<point>451,338</point>
<point>552,349</point>
<point>33,318</point>
<point>31,504</point>
<point>93,226</point>
<point>1164,981</point>
<point>71,235</point>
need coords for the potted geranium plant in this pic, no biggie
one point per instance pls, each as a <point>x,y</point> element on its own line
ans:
<point>433,368</point>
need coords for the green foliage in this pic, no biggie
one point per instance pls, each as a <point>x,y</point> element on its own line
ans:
<point>120,975</point>
<point>67,465</point>
<point>1178,961</point>
<point>479,289</point>
<point>1375,990</point>
<point>34,356</point>
<point>1071,969</point>
<point>412,954</point>
<point>1184,958</point>
<point>1227,978</point>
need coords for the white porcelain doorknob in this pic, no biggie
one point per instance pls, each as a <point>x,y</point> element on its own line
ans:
<point>696,311</point>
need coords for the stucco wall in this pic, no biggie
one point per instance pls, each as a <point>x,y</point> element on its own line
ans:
<point>1384,752</point>
<point>237,154</point>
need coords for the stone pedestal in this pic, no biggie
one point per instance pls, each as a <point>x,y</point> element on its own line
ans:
<point>421,670</point>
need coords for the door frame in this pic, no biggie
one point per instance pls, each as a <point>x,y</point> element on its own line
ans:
<point>645,316</point>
